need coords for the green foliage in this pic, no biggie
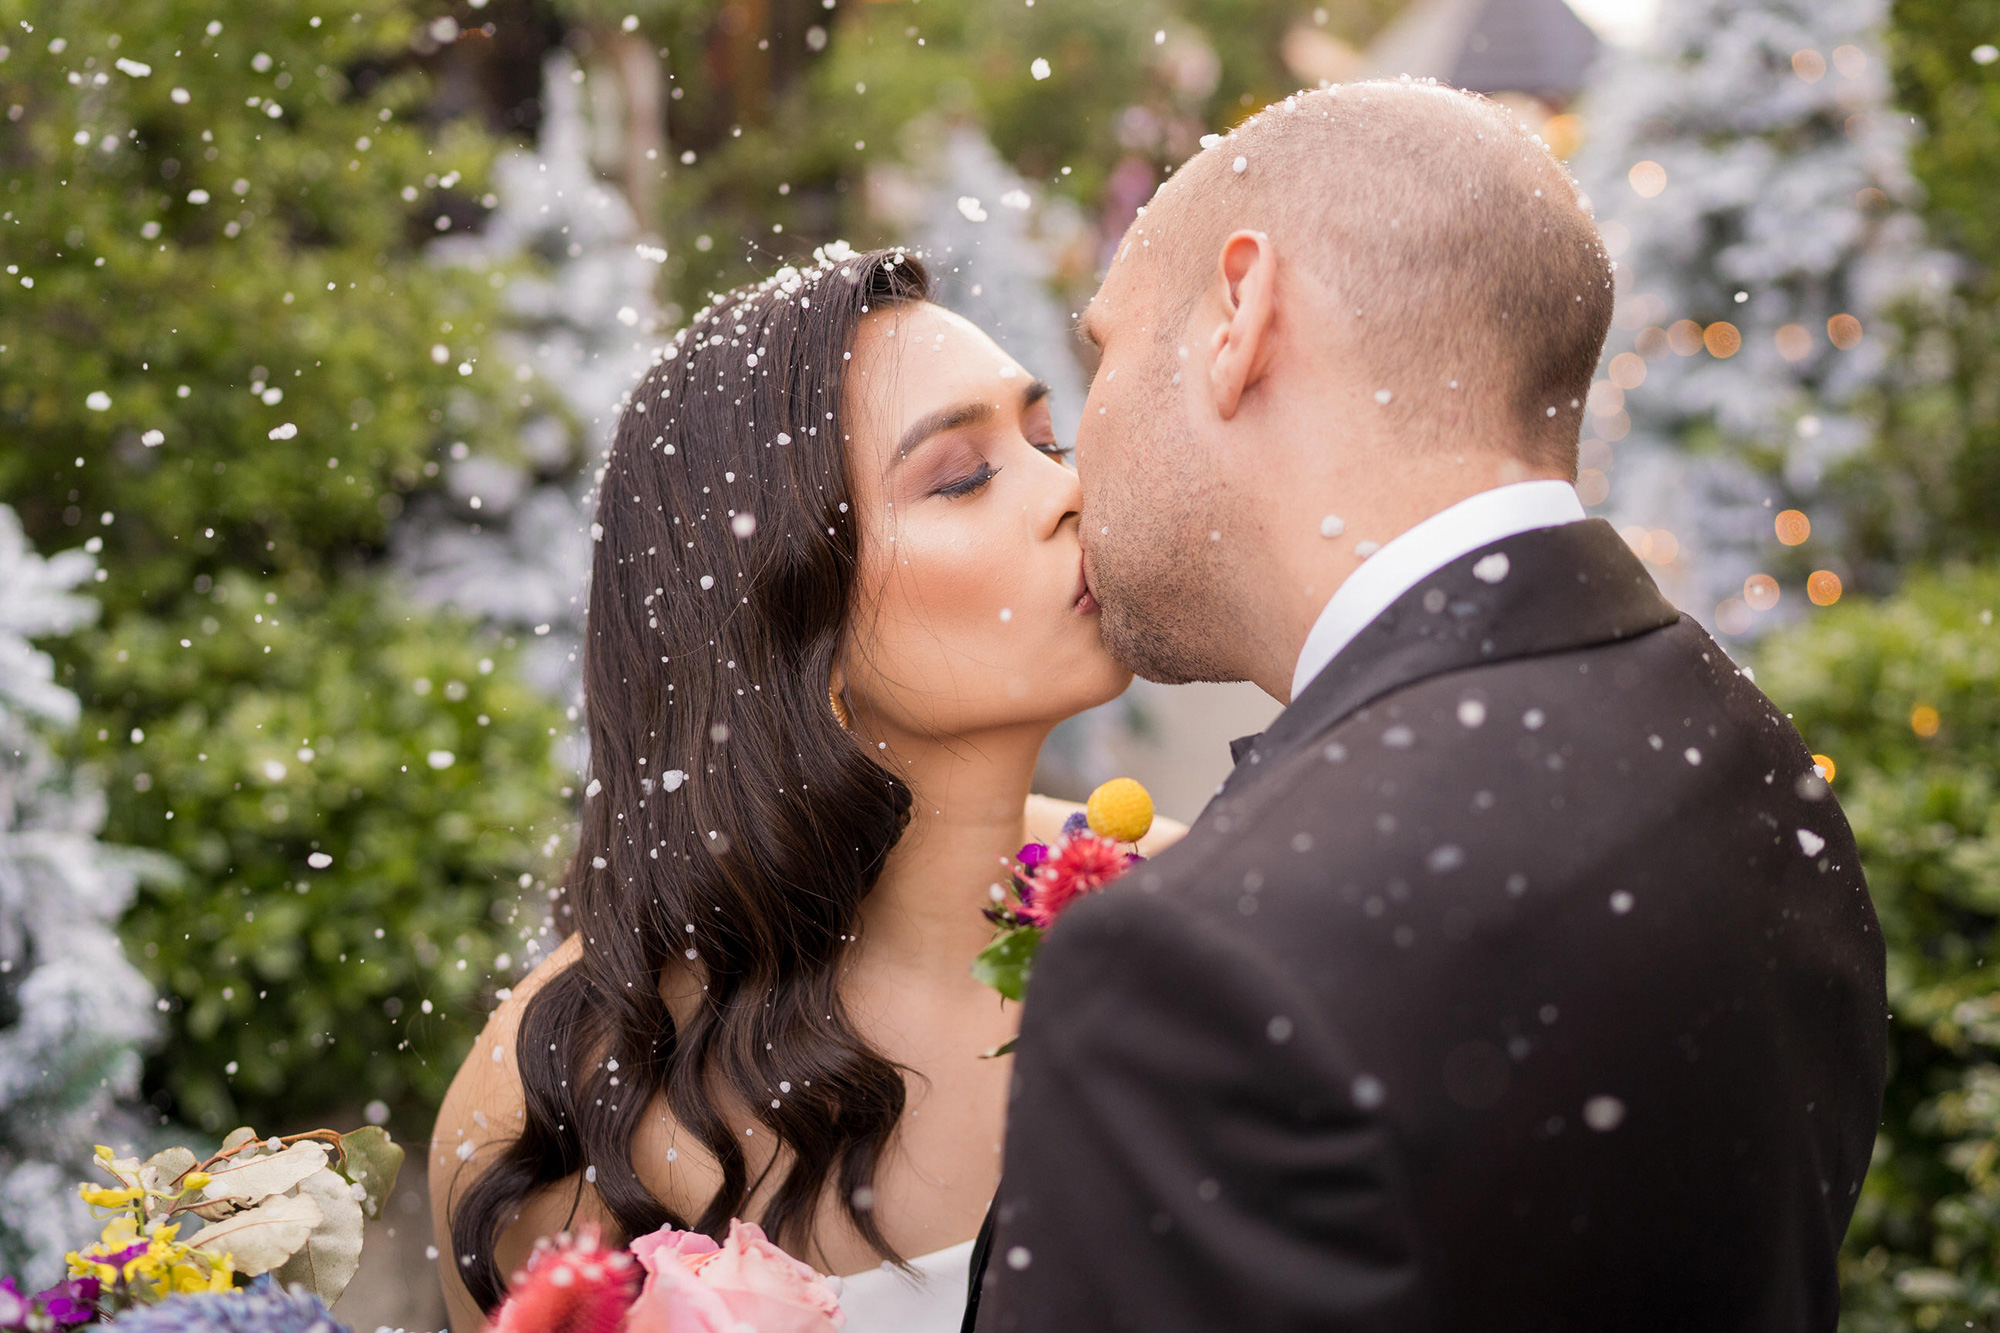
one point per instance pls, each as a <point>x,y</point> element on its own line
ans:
<point>1932,487</point>
<point>815,115</point>
<point>1008,961</point>
<point>1865,682</point>
<point>216,212</point>
<point>391,743</point>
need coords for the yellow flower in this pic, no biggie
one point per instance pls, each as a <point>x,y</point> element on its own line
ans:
<point>82,1265</point>
<point>99,1196</point>
<point>103,1153</point>
<point>118,1233</point>
<point>222,1273</point>
<point>1120,810</point>
<point>196,1180</point>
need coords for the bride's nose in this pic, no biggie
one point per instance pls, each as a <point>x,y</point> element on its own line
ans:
<point>1059,499</point>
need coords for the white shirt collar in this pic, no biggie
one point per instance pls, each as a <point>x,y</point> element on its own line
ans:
<point>1473,522</point>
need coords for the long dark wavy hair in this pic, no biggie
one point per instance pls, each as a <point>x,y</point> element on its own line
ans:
<point>731,826</point>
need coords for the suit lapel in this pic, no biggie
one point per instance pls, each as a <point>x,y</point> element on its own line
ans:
<point>1548,590</point>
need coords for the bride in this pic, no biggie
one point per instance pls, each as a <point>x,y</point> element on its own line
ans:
<point>836,606</point>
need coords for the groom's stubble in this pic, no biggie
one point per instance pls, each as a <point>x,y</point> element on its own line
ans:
<point>1156,570</point>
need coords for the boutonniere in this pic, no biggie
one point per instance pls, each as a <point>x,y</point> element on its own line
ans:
<point>1096,847</point>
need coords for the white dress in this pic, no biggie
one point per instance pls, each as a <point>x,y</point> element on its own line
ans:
<point>928,1299</point>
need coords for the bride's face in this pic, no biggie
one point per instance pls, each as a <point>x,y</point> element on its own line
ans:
<point>971,612</point>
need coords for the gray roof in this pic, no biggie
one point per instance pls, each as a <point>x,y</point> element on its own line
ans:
<point>1489,46</point>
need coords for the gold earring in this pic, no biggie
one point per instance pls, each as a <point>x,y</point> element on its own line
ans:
<point>840,713</point>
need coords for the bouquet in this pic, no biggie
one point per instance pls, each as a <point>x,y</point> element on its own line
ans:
<point>288,1207</point>
<point>1096,847</point>
<point>669,1282</point>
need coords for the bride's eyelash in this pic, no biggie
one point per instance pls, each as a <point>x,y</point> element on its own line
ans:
<point>1056,451</point>
<point>976,482</point>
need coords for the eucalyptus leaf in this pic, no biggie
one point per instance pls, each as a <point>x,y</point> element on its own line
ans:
<point>239,1136</point>
<point>325,1264</point>
<point>252,1178</point>
<point>163,1168</point>
<point>259,1239</point>
<point>371,1161</point>
<point>1006,964</point>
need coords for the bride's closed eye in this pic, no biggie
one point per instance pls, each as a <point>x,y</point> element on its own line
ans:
<point>970,484</point>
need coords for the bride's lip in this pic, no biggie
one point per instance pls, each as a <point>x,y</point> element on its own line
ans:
<point>1084,603</point>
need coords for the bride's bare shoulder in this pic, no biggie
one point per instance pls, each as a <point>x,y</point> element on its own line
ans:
<point>482,1113</point>
<point>1045,816</point>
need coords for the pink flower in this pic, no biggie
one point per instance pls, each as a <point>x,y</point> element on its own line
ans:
<point>571,1285</point>
<point>695,1286</point>
<point>1082,864</point>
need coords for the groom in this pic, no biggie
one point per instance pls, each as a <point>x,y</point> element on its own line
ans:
<point>1522,975</point>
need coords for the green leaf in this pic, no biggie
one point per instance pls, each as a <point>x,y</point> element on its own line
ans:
<point>1004,1048</point>
<point>372,1161</point>
<point>325,1264</point>
<point>1006,964</point>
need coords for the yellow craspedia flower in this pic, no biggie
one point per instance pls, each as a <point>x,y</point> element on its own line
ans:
<point>196,1180</point>
<point>1120,810</point>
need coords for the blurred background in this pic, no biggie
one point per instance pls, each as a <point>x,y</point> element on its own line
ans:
<point>315,315</point>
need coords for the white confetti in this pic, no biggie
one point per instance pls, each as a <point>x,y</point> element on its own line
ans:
<point>971,209</point>
<point>1240,165</point>
<point>1603,1113</point>
<point>319,860</point>
<point>440,759</point>
<point>743,525</point>
<point>1471,712</point>
<point>1811,843</point>
<point>284,432</point>
<point>1492,568</point>
<point>1332,525</point>
<point>153,439</point>
<point>99,401</point>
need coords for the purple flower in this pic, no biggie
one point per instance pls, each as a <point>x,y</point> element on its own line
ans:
<point>14,1307</point>
<point>71,1303</point>
<point>1031,856</point>
<point>1075,824</point>
<point>263,1307</point>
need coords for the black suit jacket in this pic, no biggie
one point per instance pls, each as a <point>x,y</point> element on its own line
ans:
<point>1522,976</point>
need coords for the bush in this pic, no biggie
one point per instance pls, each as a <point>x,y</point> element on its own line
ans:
<point>1902,696</point>
<point>225,359</point>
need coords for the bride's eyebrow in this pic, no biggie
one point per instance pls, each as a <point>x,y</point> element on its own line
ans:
<point>951,418</point>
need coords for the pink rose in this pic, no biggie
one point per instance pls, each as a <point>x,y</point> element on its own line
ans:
<point>695,1286</point>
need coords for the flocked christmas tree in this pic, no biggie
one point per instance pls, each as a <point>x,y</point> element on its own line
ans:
<point>1753,188</point>
<point>73,1011</point>
<point>509,539</point>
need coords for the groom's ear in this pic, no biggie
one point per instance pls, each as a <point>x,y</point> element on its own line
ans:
<point>1242,343</point>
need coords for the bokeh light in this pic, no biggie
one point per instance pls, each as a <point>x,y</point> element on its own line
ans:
<point>1823,587</point>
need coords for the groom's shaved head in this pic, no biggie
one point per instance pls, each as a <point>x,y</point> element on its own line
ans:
<point>1458,245</point>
